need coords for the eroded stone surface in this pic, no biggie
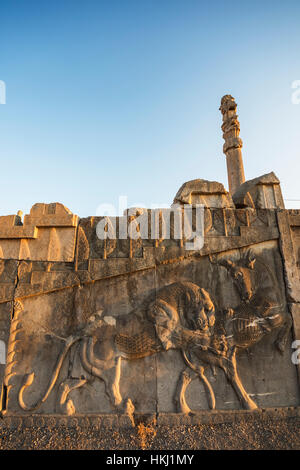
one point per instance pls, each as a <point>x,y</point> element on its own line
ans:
<point>210,193</point>
<point>113,325</point>
<point>262,193</point>
<point>128,305</point>
<point>125,326</point>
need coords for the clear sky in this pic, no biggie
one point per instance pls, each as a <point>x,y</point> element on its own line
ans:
<point>121,97</point>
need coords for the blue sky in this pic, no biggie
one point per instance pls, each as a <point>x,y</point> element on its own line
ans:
<point>110,98</point>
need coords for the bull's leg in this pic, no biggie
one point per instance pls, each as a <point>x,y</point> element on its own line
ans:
<point>65,404</point>
<point>230,369</point>
<point>114,384</point>
<point>107,370</point>
<point>111,378</point>
<point>185,379</point>
<point>199,372</point>
<point>208,388</point>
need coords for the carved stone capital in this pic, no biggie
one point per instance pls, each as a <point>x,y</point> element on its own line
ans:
<point>232,143</point>
<point>230,125</point>
<point>227,104</point>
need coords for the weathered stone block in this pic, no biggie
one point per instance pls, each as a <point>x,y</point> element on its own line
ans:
<point>209,193</point>
<point>262,193</point>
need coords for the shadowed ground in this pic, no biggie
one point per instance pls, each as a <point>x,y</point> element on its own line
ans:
<point>277,429</point>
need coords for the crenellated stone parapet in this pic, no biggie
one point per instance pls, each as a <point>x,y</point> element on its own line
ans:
<point>47,233</point>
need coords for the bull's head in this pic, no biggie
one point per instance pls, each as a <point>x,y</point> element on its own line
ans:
<point>241,274</point>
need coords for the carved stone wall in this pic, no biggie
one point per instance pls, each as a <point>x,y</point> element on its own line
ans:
<point>95,326</point>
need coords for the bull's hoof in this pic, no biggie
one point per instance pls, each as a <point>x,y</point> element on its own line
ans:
<point>125,407</point>
<point>251,406</point>
<point>129,411</point>
<point>117,396</point>
<point>68,408</point>
<point>129,408</point>
<point>184,409</point>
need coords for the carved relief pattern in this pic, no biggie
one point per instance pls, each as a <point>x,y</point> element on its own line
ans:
<point>13,349</point>
<point>231,125</point>
<point>209,306</point>
<point>182,317</point>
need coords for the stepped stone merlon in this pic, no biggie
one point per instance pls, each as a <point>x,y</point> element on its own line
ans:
<point>210,193</point>
<point>51,215</point>
<point>48,233</point>
<point>263,192</point>
<point>233,143</point>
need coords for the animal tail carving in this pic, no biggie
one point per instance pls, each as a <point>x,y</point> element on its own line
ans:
<point>29,378</point>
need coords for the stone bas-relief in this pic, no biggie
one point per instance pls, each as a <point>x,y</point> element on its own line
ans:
<point>182,316</point>
<point>143,325</point>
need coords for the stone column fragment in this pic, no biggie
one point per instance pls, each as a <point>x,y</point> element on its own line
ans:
<point>233,143</point>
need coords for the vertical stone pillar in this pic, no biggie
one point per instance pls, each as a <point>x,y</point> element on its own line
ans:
<point>233,143</point>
